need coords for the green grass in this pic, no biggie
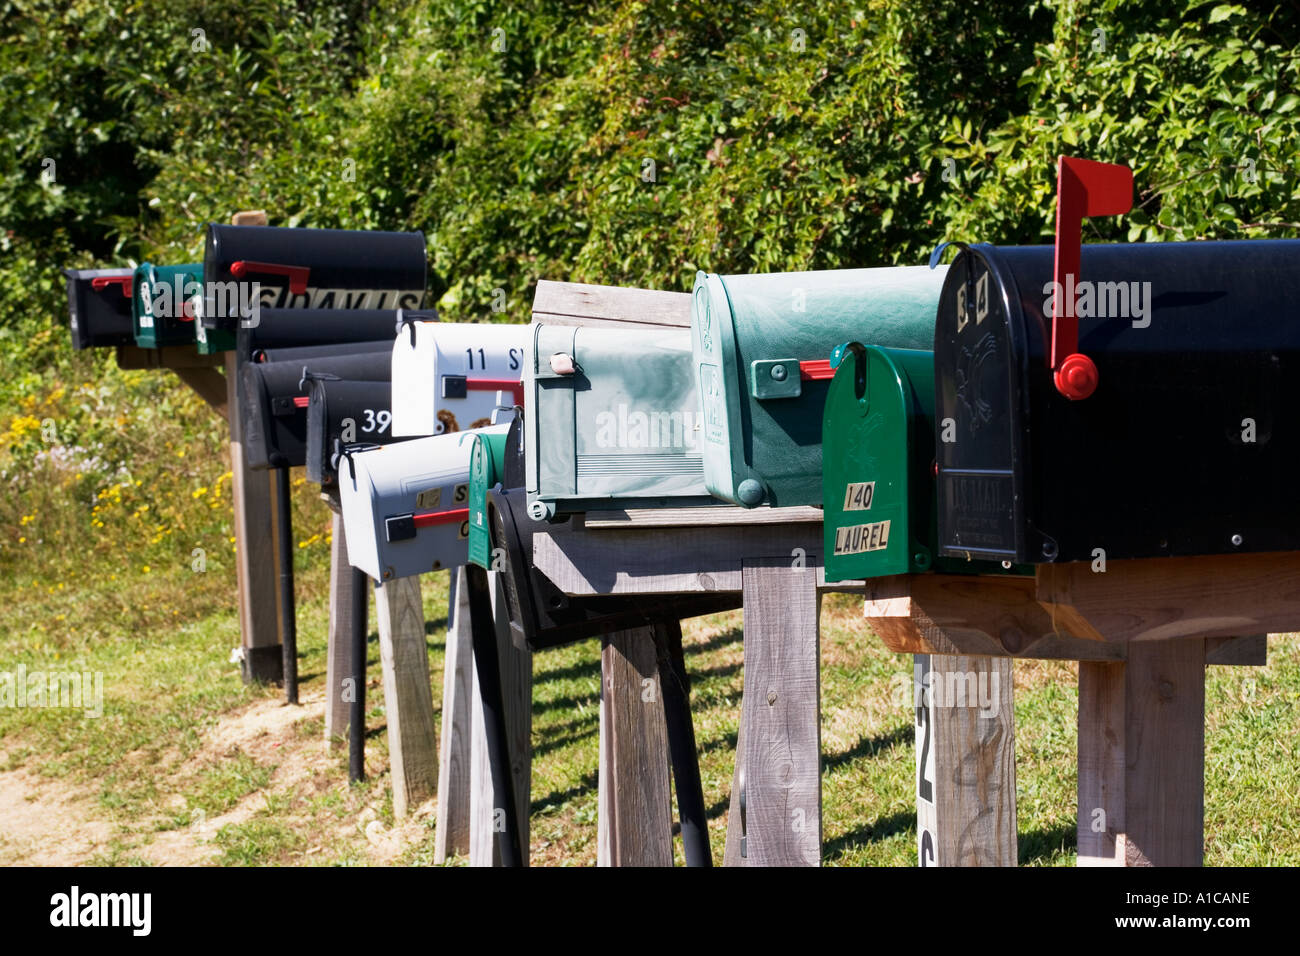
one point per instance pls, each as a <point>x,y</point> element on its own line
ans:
<point>148,767</point>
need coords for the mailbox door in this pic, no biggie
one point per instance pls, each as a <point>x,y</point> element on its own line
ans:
<point>623,428</point>
<point>99,307</point>
<point>167,301</point>
<point>869,427</point>
<point>311,268</point>
<point>759,344</point>
<point>406,505</point>
<point>275,403</point>
<point>343,413</point>
<point>451,376</point>
<point>486,469</point>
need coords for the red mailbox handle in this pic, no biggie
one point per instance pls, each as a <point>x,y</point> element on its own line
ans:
<point>497,385</point>
<point>100,283</point>
<point>816,370</point>
<point>441,517</point>
<point>297,275</point>
<point>301,401</point>
<point>1083,188</point>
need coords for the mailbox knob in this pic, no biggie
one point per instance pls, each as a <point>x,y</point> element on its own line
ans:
<point>750,493</point>
<point>1077,377</point>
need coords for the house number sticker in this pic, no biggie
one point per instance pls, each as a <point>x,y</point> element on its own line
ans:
<point>858,495</point>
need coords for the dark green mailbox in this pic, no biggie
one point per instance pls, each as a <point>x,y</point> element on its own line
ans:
<point>759,345</point>
<point>167,303</point>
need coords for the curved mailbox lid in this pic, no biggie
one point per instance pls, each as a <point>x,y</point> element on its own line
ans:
<point>312,268</point>
<point>308,328</point>
<point>614,420</point>
<point>166,302</point>
<point>760,343</point>
<point>99,307</point>
<point>1190,339</point>
<point>448,376</point>
<point>406,505</point>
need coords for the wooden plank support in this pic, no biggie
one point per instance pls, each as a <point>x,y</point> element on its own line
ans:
<point>451,836</point>
<point>338,658</point>
<point>577,303</point>
<point>408,699</point>
<point>775,816</point>
<point>517,698</point>
<point>1142,757</point>
<point>634,820</point>
<point>966,761</point>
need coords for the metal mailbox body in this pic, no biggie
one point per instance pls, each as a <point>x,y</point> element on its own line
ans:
<point>759,343</point>
<point>274,406</point>
<point>621,430</point>
<point>305,328</point>
<point>166,301</point>
<point>342,412</point>
<point>99,307</point>
<point>406,505</point>
<point>311,268</point>
<point>1191,440</point>
<point>448,376</point>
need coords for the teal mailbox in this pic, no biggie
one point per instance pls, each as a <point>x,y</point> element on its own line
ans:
<point>760,344</point>
<point>612,420</point>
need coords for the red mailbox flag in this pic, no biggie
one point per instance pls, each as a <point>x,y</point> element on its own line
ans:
<point>1083,188</point>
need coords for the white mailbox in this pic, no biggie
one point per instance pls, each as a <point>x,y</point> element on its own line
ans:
<point>449,376</point>
<point>406,506</point>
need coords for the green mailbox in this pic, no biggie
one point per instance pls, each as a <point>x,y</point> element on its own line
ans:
<point>487,466</point>
<point>167,301</point>
<point>878,484</point>
<point>759,343</point>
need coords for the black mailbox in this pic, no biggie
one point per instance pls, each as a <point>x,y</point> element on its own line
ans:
<point>310,269</point>
<point>275,402</point>
<point>341,412</point>
<point>99,307</point>
<point>309,352</point>
<point>1160,428</point>
<point>303,328</point>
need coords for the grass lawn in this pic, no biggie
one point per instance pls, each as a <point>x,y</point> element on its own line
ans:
<point>188,765</point>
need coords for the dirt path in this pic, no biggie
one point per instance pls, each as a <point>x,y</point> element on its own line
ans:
<point>54,822</point>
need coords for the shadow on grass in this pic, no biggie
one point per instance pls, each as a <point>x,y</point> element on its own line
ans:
<point>556,743</point>
<point>557,798</point>
<point>572,672</point>
<point>1039,846</point>
<point>874,832</point>
<point>868,747</point>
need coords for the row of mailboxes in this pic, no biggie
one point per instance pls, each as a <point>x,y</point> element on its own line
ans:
<point>406,505</point>
<point>452,376</point>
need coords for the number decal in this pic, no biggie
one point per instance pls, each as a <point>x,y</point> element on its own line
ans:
<point>514,359</point>
<point>377,421</point>
<point>461,494</point>
<point>924,787</point>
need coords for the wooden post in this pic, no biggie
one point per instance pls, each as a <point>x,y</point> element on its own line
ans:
<point>966,761</point>
<point>257,569</point>
<point>775,817</point>
<point>338,665</point>
<point>517,698</point>
<point>408,700</point>
<point>1142,757</point>
<point>635,804</point>
<point>451,835</point>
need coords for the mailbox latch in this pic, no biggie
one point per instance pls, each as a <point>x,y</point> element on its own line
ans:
<point>784,378</point>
